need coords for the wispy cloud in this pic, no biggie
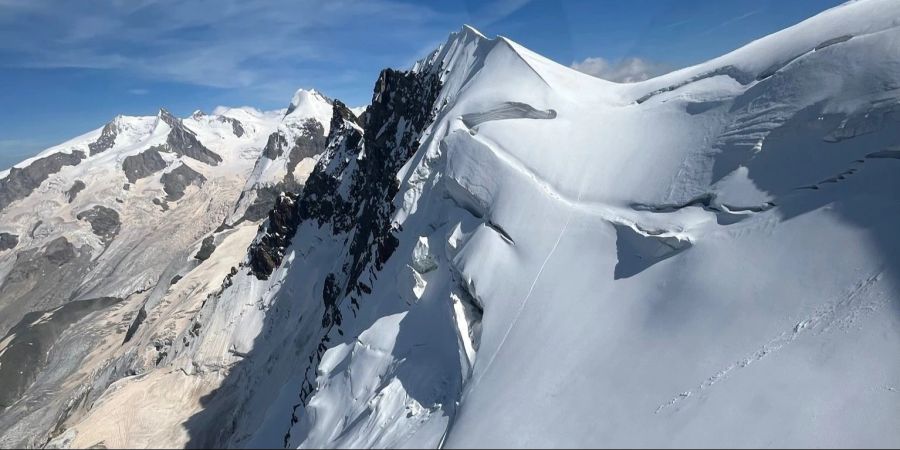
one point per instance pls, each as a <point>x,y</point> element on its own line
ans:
<point>138,91</point>
<point>732,21</point>
<point>628,70</point>
<point>493,12</point>
<point>221,43</point>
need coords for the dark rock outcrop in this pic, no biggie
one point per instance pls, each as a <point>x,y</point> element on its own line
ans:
<point>207,247</point>
<point>183,141</point>
<point>30,341</point>
<point>42,278</point>
<point>20,183</point>
<point>59,251</point>
<point>364,215</point>
<point>236,127</point>
<point>73,191</point>
<point>275,145</point>
<point>310,142</point>
<point>143,164</point>
<point>104,222</point>
<point>106,140</point>
<point>282,225</point>
<point>176,181</point>
<point>138,320</point>
<point>8,241</point>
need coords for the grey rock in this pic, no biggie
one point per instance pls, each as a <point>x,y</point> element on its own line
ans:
<point>263,203</point>
<point>8,241</point>
<point>104,222</point>
<point>35,228</point>
<point>236,127</point>
<point>310,143</point>
<point>106,140</point>
<point>20,183</point>
<point>143,164</point>
<point>275,145</point>
<point>59,251</point>
<point>132,329</point>
<point>28,349</point>
<point>41,279</point>
<point>161,203</point>
<point>183,141</point>
<point>73,191</point>
<point>207,247</point>
<point>177,180</point>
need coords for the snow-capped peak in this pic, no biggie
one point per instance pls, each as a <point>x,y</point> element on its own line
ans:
<point>309,103</point>
<point>470,30</point>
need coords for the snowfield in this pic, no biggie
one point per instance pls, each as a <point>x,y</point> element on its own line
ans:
<point>504,252</point>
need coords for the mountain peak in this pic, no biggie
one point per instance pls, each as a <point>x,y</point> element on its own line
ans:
<point>469,29</point>
<point>308,104</point>
<point>304,98</point>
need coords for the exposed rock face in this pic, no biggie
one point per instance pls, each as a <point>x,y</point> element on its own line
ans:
<point>275,145</point>
<point>264,202</point>
<point>106,140</point>
<point>141,317</point>
<point>282,225</point>
<point>207,247</point>
<point>143,164</point>
<point>28,349</point>
<point>59,251</point>
<point>284,218</point>
<point>73,191</point>
<point>351,193</point>
<point>104,222</point>
<point>176,181</point>
<point>34,229</point>
<point>41,278</point>
<point>236,126</point>
<point>20,183</point>
<point>402,107</point>
<point>183,141</point>
<point>310,141</point>
<point>8,241</point>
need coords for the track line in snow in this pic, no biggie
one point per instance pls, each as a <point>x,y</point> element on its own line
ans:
<point>842,312</point>
<point>528,295</point>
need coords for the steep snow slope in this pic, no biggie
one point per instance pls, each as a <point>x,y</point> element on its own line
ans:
<point>105,239</point>
<point>505,252</point>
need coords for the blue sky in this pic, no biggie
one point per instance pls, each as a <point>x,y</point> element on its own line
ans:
<point>67,67</point>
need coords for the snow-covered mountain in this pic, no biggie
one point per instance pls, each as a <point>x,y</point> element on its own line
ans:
<point>99,230</point>
<point>502,251</point>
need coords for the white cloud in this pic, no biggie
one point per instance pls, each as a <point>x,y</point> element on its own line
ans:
<point>628,70</point>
